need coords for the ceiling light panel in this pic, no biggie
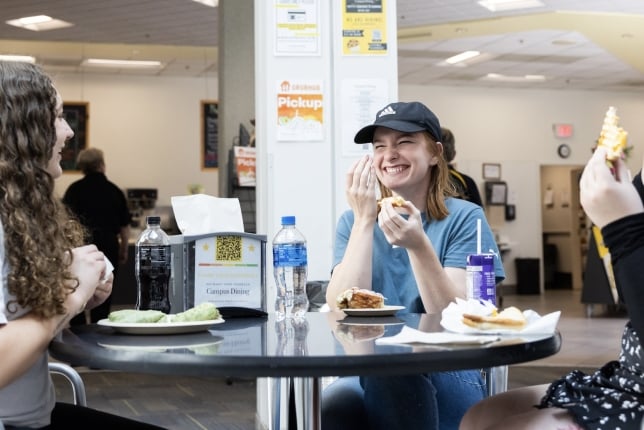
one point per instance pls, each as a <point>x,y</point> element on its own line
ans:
<point>102,62</point>
<point>39,23</point>
<point>19,58</point>
<point>463,56</point>
<point>504,5</point>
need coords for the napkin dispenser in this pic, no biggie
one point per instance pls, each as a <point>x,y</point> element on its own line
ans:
<point>225,268</point>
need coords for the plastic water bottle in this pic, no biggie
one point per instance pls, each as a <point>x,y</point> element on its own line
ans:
<point>153,266</point>
<point>290,271</point>
<point>480,277</point>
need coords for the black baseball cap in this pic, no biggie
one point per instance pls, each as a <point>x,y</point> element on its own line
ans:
<point>406,117</point>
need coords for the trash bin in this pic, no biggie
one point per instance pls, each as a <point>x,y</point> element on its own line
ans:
<point>528,276</point>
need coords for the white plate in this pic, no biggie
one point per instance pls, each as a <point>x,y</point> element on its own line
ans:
<point>378,312</point>
<point>160,328</point>
<point>452,319</point>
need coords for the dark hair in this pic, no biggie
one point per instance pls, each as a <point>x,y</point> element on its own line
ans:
<point>448,141</point>
<point>38,232</point>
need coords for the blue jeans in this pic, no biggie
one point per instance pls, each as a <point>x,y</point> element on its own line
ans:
<point>434,401</point>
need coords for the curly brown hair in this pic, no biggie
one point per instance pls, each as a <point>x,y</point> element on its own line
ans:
<point>39,233</point>
<point>439,183</point>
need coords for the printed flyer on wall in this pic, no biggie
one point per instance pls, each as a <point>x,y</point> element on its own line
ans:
<point>364,27</point>
<point>360,101</point>
<point>297,29</point>
<point>300,113</point>
<point>245,165</point>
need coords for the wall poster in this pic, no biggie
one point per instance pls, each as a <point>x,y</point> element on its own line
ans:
<point>77,116</point>
<point>364,27</point>
<point>300,110</point>
<point>297,27</point>
<point>209,134</point>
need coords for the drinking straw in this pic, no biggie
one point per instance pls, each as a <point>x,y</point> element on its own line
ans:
<point>478,236</point>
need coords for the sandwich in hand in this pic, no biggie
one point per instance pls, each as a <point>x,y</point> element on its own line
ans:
<point>612,137</point>
<point>396,201</point>
<point>510,318</point>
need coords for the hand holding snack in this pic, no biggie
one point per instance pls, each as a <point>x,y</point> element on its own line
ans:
<point>612,136</point>
<point>396,201</point>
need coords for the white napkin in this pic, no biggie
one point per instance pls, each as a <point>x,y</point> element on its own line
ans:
<point>109,268</point>
<point>201,214</point>
<point>453,314</point>
<point>411,335</point>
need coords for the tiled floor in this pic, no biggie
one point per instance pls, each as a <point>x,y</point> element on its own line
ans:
<point>183,403</point>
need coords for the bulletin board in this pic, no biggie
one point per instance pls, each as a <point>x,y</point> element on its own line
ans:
<point>209,134</point>
<point>77,116</point>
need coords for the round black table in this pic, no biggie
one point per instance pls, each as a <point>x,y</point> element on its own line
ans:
<point>323,344</point>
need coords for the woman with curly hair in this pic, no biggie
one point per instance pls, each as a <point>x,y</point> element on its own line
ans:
<point>48,276</point>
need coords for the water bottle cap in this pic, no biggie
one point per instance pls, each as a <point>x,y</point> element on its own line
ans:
<point>288,220</point>
<point>153,220</point>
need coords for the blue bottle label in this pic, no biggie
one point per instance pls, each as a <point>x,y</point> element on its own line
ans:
<point>289,255</point>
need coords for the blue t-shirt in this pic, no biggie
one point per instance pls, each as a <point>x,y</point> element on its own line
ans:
<point>453,239</point>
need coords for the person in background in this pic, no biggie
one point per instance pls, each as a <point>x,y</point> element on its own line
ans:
<point>464,184</point>
<point>415,256</point>
<point>48,275</point>
<point>101,207</point>
<point>613,396</point>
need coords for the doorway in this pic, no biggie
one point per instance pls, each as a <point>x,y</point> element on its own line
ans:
<point>564,227</point>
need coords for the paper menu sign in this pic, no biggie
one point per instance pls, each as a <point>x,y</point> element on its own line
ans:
<point>245,165</point>
<point>228,270</point>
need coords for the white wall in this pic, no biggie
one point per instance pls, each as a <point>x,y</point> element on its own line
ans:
<point>133,118</point>
<point>148,128</point>
<point>514,128</point>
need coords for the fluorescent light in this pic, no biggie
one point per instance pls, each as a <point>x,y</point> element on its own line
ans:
<point>102,62</point>
<point>211,3</point>
<point>508,78</point>
<point>501,5</point>
<point>20,58</point>
<point>39,23</point>
<point>462,57</point>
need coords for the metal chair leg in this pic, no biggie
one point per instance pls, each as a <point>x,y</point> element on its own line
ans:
<point>78,387</point>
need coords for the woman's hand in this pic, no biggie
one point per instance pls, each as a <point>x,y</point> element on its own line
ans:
<point>607,195</point>
<point>361,188</point>
<point>88,265</point>
<point>407,233</point>
<point>102,292</point>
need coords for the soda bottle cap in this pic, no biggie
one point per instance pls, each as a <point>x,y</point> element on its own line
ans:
<point>288,220</point>
<point>153,220</point>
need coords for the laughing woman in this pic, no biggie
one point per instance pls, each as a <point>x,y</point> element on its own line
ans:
<point>415,255</point>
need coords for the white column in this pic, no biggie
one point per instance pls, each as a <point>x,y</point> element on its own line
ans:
<point>305,178</point>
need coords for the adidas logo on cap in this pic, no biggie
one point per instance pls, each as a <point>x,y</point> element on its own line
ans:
<point>387,111</point>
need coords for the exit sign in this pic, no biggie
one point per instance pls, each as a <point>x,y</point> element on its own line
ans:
<point>562,130</point>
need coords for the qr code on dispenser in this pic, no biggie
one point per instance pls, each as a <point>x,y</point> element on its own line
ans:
<point>228,248</point>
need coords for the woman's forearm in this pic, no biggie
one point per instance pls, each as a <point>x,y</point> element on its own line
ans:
<point>355,268</point>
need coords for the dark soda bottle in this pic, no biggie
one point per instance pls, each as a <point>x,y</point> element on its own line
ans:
<point>153,266</point>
